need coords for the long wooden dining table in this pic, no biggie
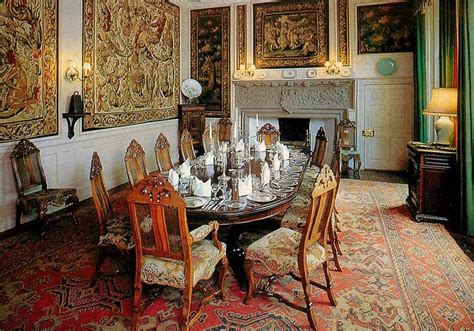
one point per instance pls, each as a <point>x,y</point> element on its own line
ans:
<point>239,219</point>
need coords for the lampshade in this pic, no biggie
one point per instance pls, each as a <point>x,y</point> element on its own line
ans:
<point>444,102</point>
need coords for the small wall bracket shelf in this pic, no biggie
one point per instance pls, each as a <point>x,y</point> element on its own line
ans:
<point>71,121</point>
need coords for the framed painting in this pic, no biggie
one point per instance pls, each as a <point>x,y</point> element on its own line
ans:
<point>28,69</point>
<point>135,62</point>
<point>210,58</point>
<point>385,28</point>
<point>291,34</point>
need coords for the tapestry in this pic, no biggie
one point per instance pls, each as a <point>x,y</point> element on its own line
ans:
<point>134,50</point>
<point>343,51</point>
<point>28,69</point>
<point>210,58</point>
<point>291,34</point>
<point>385,28</point>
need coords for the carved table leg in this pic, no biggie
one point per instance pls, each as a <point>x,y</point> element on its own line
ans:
<point>236,255</point>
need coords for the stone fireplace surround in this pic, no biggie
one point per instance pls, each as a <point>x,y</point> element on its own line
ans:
<point>324,102</point>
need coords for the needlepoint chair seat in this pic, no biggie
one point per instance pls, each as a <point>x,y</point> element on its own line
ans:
<point>118,234</point>
<point>49,197</point>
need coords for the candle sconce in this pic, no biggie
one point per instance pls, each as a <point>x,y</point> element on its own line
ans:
<point>72,73</point>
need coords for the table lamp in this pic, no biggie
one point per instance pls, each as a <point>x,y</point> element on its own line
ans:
<point>443,103</point>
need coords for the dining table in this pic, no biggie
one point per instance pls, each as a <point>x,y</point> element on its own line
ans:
<point>242,214</point>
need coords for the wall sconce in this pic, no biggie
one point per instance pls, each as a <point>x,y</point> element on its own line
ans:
<point>72,73</point>
<point>245,71</point>
<point>333,68</point>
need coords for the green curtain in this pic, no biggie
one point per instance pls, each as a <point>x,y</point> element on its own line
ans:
<point>447,34</point>
<point>421,125</point>
<point>466,115</point>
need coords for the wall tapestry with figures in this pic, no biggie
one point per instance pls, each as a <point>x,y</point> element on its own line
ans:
<point>210,57</point>
<point>28,69</point>
<point>134,50</point>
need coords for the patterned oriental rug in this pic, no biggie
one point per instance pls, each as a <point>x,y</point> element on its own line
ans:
<point>398,274</point>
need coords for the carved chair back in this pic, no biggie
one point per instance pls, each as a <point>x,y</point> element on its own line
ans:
<point>320,148</point>
<point>163,154</point>
<point>28,168</point>
<point>210,144</point>
<point>100,195</point>
<point>135,162</point>
<point>186,146</point>
<point>225,129</point>
<point>346,134</point>
<point>269,134</point>
<point>322,204</point>
<point>159,224</point>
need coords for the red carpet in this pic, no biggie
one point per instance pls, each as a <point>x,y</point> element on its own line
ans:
<point>398,274</point>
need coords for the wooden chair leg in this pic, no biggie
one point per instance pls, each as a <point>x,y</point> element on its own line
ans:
<point>337,243</point>
<point>332,242</point>
<point>100,261</point>
<point>18,215</point>
<point>187,300</point>
<point>137,297</point>
<point>309,303</point>
<point>327,275</point>
<point>224,265</point>
<point>336,219</point>
<point>251,281</point>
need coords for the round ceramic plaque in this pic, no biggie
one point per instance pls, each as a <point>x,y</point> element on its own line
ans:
<point>191,88</point>
<point>387,67</point>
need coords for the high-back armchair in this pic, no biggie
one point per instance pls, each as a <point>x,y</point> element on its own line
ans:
<point>33,191</point>
<point>163,154</point>
<point>186,146</point>
<point>269,134</point>
<point>288,252</point>
<point>135,163</point>
<point>210,143</point>
<point>166,252</point>
<point>225,129</point>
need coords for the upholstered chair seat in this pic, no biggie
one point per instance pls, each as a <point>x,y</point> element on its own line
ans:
<point>119,234</point>
<point>277,253</point>
<point>49,197</point>
<point>295,216</point>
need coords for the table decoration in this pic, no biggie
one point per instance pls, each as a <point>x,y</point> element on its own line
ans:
<point>245,186</point>
<point>202,189</point>
<point>173,178</point>
<point>260,146</point>
<point>185,168</point>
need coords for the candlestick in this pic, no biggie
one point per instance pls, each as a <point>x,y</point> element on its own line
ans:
<point>256,119</point>
<point>235,131</point>
<point>210,130</point>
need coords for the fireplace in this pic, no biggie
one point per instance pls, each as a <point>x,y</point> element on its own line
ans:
<point>293,129</point>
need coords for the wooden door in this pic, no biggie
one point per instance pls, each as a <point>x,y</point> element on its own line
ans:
<point>388,114</point>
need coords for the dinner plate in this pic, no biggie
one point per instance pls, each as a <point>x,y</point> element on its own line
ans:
<point>283,189</point>
<point>261,197</point>
<point>235,204</point>
<point>194,202</point>
<point>296,168</point>
<point>288,182</point>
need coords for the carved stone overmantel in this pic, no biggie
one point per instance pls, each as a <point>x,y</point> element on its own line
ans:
<point>296,97</point>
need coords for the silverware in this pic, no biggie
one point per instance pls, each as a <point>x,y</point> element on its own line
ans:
<point>218,205</point>
<point>206,204</point>
<point>212,204</point>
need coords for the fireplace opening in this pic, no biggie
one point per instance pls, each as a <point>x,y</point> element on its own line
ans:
<point>293,129</point>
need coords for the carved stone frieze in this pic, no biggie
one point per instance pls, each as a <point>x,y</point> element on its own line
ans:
<point>295,96</point>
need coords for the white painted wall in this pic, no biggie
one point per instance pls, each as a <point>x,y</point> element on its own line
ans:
<point>67,162</point>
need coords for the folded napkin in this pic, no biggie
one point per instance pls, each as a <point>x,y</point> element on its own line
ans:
<point>210,158</point>
<point>283,150</point>
<point>202,189</point>
<point>173,178</point>
<point>265,175</point>
<point>185,168</point>
<point>245,186</point>
<point>260,147</point>
<point>276,162</point>
<point>240,146</point>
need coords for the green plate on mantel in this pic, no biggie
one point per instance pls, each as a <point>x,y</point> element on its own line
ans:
<point>387,67</point>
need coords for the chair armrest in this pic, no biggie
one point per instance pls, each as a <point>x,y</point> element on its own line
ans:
<point>203,231</point>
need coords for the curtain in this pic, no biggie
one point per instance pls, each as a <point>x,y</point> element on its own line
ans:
<point>466,115</point>
<point>421,125</point>
<point>447,37</point>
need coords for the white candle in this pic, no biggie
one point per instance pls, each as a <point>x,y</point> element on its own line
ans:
<point>210,130</point>
<point>256,119</point>
<point>235,130</point>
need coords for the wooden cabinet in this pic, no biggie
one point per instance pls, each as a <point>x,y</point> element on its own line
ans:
<point>193,118</point>
<point>431,182</point>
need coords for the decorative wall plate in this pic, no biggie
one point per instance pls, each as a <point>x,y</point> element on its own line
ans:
<point>237,75</point>
<point>346,72</point>
<point>262,75</point>
<point>311,73</point>
<point>288,73</point>
<point>387,67</point>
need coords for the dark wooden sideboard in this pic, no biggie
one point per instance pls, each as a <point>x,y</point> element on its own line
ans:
<point>431,182</point>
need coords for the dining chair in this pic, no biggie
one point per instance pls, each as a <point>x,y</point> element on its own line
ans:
<point>269,134</point>
<point>135,162</point>
<point>320,148</point>
<point>225,129</point>
<point>210,143</point>
<point>33,191</point>
<point>335,242</point>
<point>114,232</point>
<point>186,146</point>
<point>287,252</point>
<point>163,154</point>
<point>166,252</point>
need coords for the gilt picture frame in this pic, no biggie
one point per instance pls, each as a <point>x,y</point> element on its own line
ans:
<point>385,28</point>
<point>210,58</point>
<point>291,34</point>
<point>135,62</point>
<point>28,69</point>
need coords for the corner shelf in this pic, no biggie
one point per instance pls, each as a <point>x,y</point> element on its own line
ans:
<point>71,121</point>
